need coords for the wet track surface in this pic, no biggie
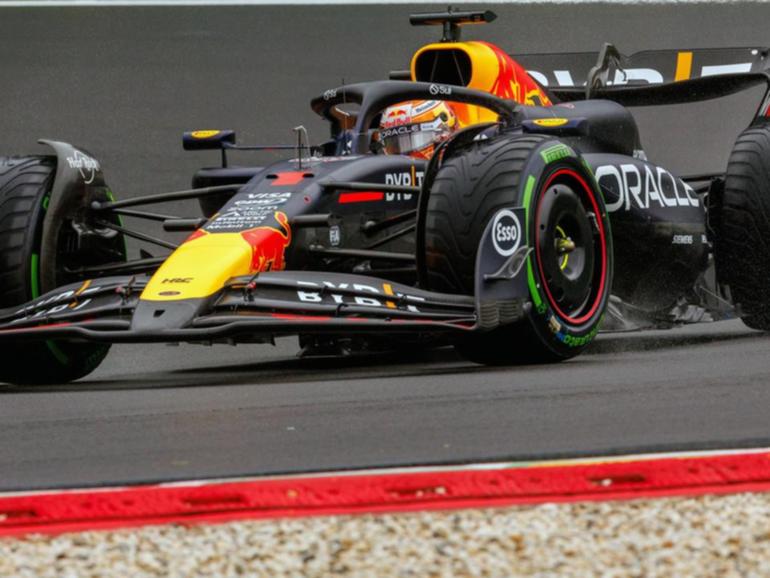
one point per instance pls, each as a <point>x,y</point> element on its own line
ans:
<point>125,82</point>
<point>198,412</point>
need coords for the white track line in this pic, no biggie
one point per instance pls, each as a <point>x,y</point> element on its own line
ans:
<point>411,470</point>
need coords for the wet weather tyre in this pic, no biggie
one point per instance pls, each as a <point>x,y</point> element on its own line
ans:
<point>25,186</point>
<point>569,270</point>
<point>742,242</point>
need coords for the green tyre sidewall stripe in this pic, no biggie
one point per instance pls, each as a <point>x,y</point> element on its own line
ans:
<point>55,350</point>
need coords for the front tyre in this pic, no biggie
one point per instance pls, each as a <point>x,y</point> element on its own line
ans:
<point>569,270</point>
<point>25,188</point>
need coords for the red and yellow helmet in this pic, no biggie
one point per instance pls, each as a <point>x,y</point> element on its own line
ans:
<point>414,128</point>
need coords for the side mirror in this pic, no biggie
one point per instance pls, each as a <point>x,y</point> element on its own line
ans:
<point>198,140</point>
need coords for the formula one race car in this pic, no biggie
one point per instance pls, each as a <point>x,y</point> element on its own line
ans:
<point>533,224</point>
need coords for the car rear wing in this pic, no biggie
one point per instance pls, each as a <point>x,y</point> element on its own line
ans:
<point>652,77</point>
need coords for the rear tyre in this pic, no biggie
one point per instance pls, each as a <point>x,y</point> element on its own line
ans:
<point>742,243</point>
<point>570,267</point>
<point>25,187</point>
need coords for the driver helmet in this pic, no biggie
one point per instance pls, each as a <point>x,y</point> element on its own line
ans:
<point>415,128</point>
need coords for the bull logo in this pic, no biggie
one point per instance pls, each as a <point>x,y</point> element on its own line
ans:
<point>268,245</point>
<point>396,116</point>
<point>396,112</point>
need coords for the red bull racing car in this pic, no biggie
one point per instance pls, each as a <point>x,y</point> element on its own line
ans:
<point>535,222</point>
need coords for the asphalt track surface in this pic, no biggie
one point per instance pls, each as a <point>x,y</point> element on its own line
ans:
<point>125,83</point>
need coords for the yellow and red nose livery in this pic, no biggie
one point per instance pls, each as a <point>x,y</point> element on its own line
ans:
<point>489,69</point>
<point>206,260</point>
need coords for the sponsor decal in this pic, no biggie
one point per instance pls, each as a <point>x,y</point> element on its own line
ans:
<point>440,89</point>
<point>566,338</point>
<point>396,116</point>
<point>622,77</point>
<point>404,179</point>
<point>270,198</point>
<point>66,300</point>
<point>397,111</point>
<point>330,94</point>
<point>726,69</point>
<point>376,296</point>
<point>555,153</point>
<point>241,218</point>
<point>249,211</point>
<point>573,341</point>
<point>177,280</point>
<point>643,186</point>
<point>506,233</point>
<point>420,108</point>
<point>86,166</point>
<point>411,178</point>
<point>398,197</point>
<point>269,244</point>
<point>203,134</point>
<point>404,114</point>
<point>399,130</point>
<point>169,293</point>
<point>682,240</point>
<point>549,122</point>
<point>335,235</point>
<point>679,67</point>
<point>683,66</point>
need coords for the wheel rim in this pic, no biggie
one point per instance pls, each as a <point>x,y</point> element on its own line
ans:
<point>571,249</point>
